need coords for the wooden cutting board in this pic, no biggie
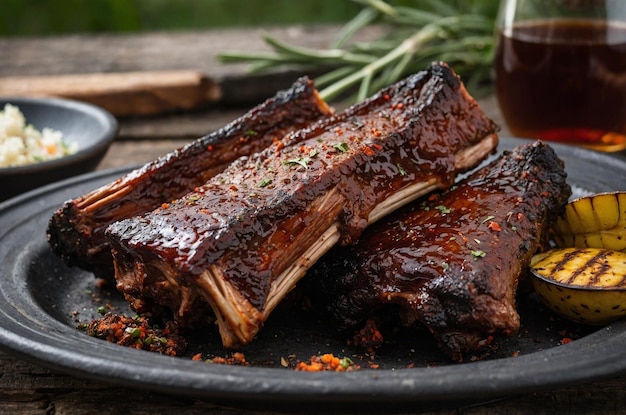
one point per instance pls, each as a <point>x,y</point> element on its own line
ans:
<point>124,93</point>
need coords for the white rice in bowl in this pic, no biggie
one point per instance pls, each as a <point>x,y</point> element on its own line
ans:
<point>22,144</point>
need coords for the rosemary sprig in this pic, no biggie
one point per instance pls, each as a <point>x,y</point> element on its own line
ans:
<point>459,32</point>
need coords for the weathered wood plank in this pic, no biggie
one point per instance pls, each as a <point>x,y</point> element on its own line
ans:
<point>153,51</point>
<point>164,51</point>
<point>122,93</point>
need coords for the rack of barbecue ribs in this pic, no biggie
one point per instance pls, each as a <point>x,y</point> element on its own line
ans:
<point>453,261</point>
<point>241,241</point>
<point>76,230</point>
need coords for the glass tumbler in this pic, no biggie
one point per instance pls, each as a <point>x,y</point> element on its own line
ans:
<point>560,70</point>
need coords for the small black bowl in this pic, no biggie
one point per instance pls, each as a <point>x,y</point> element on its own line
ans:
<point>91,127</point>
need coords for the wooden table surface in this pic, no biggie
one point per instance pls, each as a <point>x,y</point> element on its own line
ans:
<point>27,388</point>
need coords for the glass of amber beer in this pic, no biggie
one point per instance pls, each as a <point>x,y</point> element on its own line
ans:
<point>560,68</point>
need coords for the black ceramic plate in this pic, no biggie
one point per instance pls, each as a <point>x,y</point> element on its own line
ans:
<point>42,302</point>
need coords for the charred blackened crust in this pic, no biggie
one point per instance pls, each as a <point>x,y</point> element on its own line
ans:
<point>76,230</point>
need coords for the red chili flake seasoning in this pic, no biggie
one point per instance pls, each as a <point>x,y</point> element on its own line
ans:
<point>494,226</point>
<point>486,342</point>
<point>367,151</point>
<point>373,365</point>
<point>279,146</point>
<point>566,340</point>
<point>165,205</point>
<point>209,147</point>
<point>386,97</point>
<point>463,237</point>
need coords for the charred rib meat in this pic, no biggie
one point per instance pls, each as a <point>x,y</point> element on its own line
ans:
<point>76,230</point>
<point>452,262</point>
<point>242,241</point>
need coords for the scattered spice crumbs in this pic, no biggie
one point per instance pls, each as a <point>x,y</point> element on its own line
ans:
<point>137,333</point>
<point>327,362</point>
<point>235,359</point>
<point>324,362</point>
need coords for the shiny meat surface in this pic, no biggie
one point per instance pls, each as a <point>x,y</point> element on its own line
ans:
<point>452,262</point>
<point>241,241</point>
<point>76,230</point>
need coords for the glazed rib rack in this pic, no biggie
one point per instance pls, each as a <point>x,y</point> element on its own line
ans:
<point>240,242</point>
<point>76,230</point>
<point>452,262</point>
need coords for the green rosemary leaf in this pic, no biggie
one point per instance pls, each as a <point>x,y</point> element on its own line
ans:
<point>459,32</point>
<point>362,19</point>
